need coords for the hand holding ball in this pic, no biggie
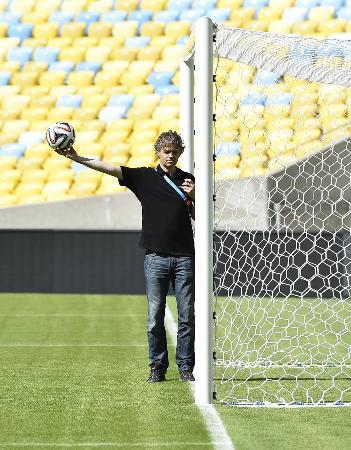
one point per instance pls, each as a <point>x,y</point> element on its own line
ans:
<point>60,136</point>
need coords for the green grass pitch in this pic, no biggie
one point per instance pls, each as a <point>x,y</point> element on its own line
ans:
<point>72,374</point>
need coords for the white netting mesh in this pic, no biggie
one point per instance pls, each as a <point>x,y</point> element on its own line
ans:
<point>282,218</point>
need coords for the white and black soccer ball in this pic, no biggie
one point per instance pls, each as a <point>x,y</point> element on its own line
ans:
<point>60,135</point>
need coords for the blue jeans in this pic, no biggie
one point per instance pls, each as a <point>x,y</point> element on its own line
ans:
<point>161,269</point>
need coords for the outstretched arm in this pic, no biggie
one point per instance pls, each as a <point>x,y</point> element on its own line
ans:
<point>101,166</point>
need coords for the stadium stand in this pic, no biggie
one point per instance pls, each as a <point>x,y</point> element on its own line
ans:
<point>110,68</point>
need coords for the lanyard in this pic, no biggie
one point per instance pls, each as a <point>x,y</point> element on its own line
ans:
<point>176,188</point>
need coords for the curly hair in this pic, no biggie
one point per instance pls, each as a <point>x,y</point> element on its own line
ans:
<point>169,138</point>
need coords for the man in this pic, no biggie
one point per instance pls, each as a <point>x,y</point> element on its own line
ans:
<point>167,196</point>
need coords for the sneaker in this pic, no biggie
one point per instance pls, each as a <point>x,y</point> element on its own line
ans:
<point>156,375</point>
<point>186,375</point>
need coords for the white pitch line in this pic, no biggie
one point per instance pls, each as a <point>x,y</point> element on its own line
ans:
<point>219,436</point>
<point>73,315</point>
<point>106,444</point>
<point>73,345</point>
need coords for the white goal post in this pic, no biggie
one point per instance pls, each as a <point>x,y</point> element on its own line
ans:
<point>266,118</point>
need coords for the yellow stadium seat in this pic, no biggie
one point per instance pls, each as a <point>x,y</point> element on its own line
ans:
<point>142,137</point>
<point>56,162</point>
<point>84,114</point>
<point>30,163</point>
<point>109,42</point>
<point>55,189</point>
<point>35,176</point>
<point>10,66</point>
<point>30,199</point>
<point>87,137</point>
<point>7,162</point>
<point>48,30</point>
<point>58,91</point>
<point>123,30</point>
<point>229,3</point>
<point>177,29</point>
<point>45,101</point>
<point>146,149</point>
<point>116,67</point>
<point>152,29</point>
<point>176,78</point>
<point>36,17</point>
<point>24,79</point>
<point>100,30</point>
<point>33,114</point>
<point>332,26</point>
<point>113,137</point>
<point>34,43</point>
<point>75,6</point>
<point>52,79</point>
<point>243,14</point>
<point>83,189</point>
<point>60,42</point>
<point>98,54</point>
<point>8,43</point>
<point>166,66</point>
<point>132,79</point>
<point>88,91</point>
<point>38,150</point>
<point>139,113</point>
<point>72,29</point>
<point>141,67</point>
<point>92,125</point>
<point>105,79</point>
<point>152,100</point>
<point>15,126</point>
<point>61,175</point>
<point>81,78</point>
<point>35,67</point>
<point>145,125</point>
<point>100,6</point>
<point>269,14</point>
<point>153,5</point>
<point>127,5</point>
<point>8,114</point>
<point>281,4</point>
<point>321,13</point>
<point>162,41</point>
<point>16,101</point>
<point>94,101</point>
<point>90,149</point>
<point>29,188</point>
<point>120,125</point>
<point>116,90</point>
<point>8,91</point>
<point>63,113</point>
<point>3,5</point>
<point>8,200</point>
<point>146,161</point>
<point>141,90</point>
<point>22,6</point>
<point>174,100</point>
<point>280,26</point>
<point>47,5</point>
<point>85,42</point>
<point>6,187</point>
<point>122,149</point>
<point>12,175</point>
<point>88,175</point>
<point>124,54</point>
<point>173,52</point>
<point>257,25</point>
<point>149,54</point>
<point>165,113</point>
<point>3,30</point>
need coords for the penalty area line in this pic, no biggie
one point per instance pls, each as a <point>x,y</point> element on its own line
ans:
<point>219,436</point>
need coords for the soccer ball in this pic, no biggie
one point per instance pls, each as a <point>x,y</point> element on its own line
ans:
<point>60,135</point>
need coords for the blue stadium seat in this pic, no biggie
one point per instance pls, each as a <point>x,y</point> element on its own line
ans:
<point>228,149</point>
<point>159,79</point>
<point>166,90</point>
<point>62,66</point>
<point>166,16</point>
<point>344,13</point>
<point>88,17</point>
<point>297,14</point>
<point>28,138</point>
<point>140,16</point>
<point>218,14</point>
<point>10,18</point>
<point>61,17</point>
<point>5,78</point>
<point>179,5</point>
<point>182,40</point>
<point>265,77</point>
<point>114,16</point>
<point>121,100</point>
<point>20,30</point>
<point>46,54</point>
<point>20,54</point>
<point>283,98</point>
<point>71,101</point>
<point>308,3</point>
<point>192,15</point>
<point>336,3</point>
<point>89,66</point>
<point>137,42</point>
<point>16,150</point>
<point>254,99</point>
<point>204,4</point>
<point>111,113</point>
<point>256,4</point>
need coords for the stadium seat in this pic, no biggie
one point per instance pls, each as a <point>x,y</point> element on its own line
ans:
<point>62,17</point>
<point>45,30</point>
<point>29,163</point>
<point>33,66</point>
<point>29,188</point>
<point>101,6</point>
<point>74,54</point>
<point>7,162</point>
<point>149,54</point>
<point>140,113</point>
<point>158,79</point>
<point>10,18</point>
<point>109,113</point>
<point>321,13</point>
<point>81,78</point>
<point>20,30</point>
<point>52,79</point>
<point>109,138</point>
<point>75,6</point>
<point>127,5</point>
<point>305,27</point>
<point>137,42</point>
<point>60,114</point>
<point>72,29</point>
<point>20,54</point>
<point>3,30</point>
<point>24,79</point>
<point>85,114</point>
<point>64,174</point>
<point>61,66</point>
<point>15,149</point>
<point>164,113</point>
<point>166,16</point>
<point>153,5</point>
<point>177,29</point>
<point>152,29</point>
<point>34,114</point>
<point>36,17</point>
<point>123,30</point>
<point>114,17</point>
<point>191,15</point>
<point>5,78</point>
<point>8,200</point>
<point>93,149</point>
<point>179,5</point>
<point>295,14</point>
<point>332,26</point>
<point>119,125</point>
<point>106,79</point>
<point>72,101</point>
<point>46,54</point>
<point>131,79</point>
<point>173,52</point>
<point>87,17</point>
<point>162,41</point>
<point>100,30</point>
<point>21,6</point>
<point>140,16</point>
<point>60,42</point>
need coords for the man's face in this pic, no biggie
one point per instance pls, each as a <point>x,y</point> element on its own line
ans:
<point>169,156</point>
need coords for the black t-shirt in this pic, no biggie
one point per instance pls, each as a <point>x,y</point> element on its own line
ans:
<point>166,221</point>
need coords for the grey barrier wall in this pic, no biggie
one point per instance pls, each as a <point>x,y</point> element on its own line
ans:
<point>110,262</point>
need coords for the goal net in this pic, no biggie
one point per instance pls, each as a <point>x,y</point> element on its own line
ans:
<point>281,218</point>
